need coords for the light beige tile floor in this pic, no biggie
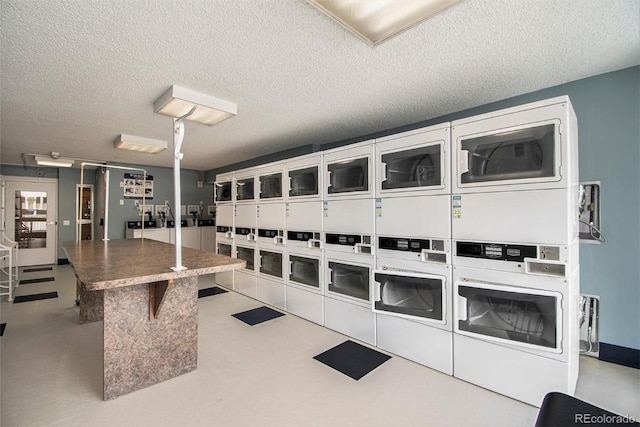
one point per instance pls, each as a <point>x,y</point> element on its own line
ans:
<point>51,375</point>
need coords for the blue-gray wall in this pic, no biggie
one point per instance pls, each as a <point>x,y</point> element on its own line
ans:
<point>118,215</point>
<point>608,112</point>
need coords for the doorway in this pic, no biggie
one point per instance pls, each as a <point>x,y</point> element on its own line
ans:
<point>31,218</point>
<point>84,212</point>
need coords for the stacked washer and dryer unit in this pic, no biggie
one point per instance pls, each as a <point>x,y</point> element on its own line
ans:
<point>455,246</point>
<point>348,228</point>
<point>271,235</point>
<point>224,196</point>
<point>412,282</point>
<point>515,250</point>
<point>304,290</point>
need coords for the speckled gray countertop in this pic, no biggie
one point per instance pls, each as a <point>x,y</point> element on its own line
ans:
<point>115,263</point>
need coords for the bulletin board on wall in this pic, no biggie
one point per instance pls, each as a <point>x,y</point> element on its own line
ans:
<point>134,186</point>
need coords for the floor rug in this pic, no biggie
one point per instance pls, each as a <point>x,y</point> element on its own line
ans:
<point>35,297</point>
<point>257,315</point>
<point>210,291</point>
<point>34,269</point>
<point>38,280</point>
<point>352,359</point>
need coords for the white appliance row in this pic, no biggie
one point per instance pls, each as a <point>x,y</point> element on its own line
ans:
<point>529,147</point>
<point>454,246</point>
<point>514,171</point>
<point>352,293</point>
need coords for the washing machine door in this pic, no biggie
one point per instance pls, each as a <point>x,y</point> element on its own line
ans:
<point>271,186</point>
<point>224,249</point>
<point>348,280</point>
<point>271,263</point>
<point>223,191</point>
<point>416,296</point>
<point>511,315</point>
<point>244,189</point>
<point>418,167</point>
<point>348,176</point>
<point>304,270</point>
<point>303,182</point>
<point>246,254</point>
<point>524,155</point>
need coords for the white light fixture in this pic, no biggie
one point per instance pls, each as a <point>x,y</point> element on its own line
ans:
<point>55,161</point>
<point>184,104</point>
<point>138,143</point>
<point>375,21</point>
<point>177,102</point>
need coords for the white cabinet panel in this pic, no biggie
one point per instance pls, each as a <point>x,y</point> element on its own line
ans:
<point>304,216</point>
<point>308,305</point>
<point>245,283</point>
<point>352,320</point>
<point>415,341</point>
<point>224,215</point>
<point>537,216</point>
<point>271,215</point>
<point>246,215</point>
<point>426,216</point>
<point>349,216</point>
<point>271,292</point>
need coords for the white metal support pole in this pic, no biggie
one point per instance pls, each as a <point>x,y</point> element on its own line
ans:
<point>178,135</point>
<point>79,204</point>
<point>105,235</point>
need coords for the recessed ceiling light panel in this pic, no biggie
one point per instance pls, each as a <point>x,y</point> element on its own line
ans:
<point>178,101</point>
<point>375,21</point>
<point>57,162</point>
<point>138,143</point>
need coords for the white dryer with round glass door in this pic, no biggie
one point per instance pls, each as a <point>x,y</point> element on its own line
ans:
<point>303,178</point>
<point>270,178</point>
<point>223,188</point>
<point>270,272</point>
<point>347,289</point>
<point>515,171</point>
<point>413,185</point>
<point>516,333</point>
<point>304,279</point>
<point>349,171</point>
<point>414,162</point>
<point>246,186</point>
<point>412,300</point>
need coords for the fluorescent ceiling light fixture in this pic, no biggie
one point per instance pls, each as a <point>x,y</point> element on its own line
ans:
<point>178,101</point>
<point>138,143</point>
<point>375,21</point>
<point>57,162</point>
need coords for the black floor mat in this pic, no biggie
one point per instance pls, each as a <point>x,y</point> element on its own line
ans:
<point>559,409</point>
<point>257,315</point>
<point>352,359</point>
<point>210,291</point>
<point>2,326</point>
<point>34,269</point>
<point>38,280</point>
<point>35,297</point>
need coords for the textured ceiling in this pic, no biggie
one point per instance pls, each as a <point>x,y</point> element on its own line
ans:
<point>75,74</point>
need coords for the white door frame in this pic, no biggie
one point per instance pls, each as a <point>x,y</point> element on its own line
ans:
<point>34,256</point>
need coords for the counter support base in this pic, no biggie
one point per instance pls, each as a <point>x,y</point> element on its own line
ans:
<point>141,348</point>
